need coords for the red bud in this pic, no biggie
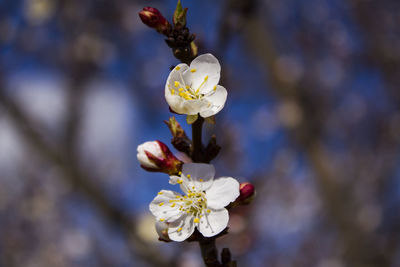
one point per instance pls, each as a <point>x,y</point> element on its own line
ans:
<point>247,193</point>
<point>154,19</point>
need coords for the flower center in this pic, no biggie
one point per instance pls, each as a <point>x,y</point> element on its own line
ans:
<point>193,203</point>
<point>187,92</point>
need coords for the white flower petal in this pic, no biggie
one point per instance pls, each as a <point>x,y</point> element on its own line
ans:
<point>217,101</point>
<point>214,222</point>
<point>193,107</point>
<point>222,192</point>
<point>183,106</point>
<point>154,148</point>
<point>144,161</point>
<point>201,175</point>
<point>176,102</point>
<point>181,229</point>
<point>204,65</point>
<point>174,179</point>
<point>162,209</point>
<point>162,230</point>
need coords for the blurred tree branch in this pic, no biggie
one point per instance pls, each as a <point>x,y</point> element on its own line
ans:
<point>383,52</point>
<point>80,179</point>
<point>360,248</point>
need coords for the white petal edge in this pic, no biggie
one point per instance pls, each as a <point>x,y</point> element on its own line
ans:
<point>213,223</point>
<point>154,148</point>
<point>144,161</point>
<point>201,175</point>
<point>177,234</point>
<point>164,211</point>
<point>223,191</point>
<point>205,65</point>
<point>174,179</point>
<point>176,102</point>
<point>217,101</point>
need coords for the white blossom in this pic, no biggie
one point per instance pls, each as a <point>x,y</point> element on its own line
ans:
<point>202,205</point>
<point>194,89</point>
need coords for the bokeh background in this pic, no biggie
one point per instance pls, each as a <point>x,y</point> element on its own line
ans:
<point>312,119</point>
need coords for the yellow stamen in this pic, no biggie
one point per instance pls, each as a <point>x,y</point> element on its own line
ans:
<point>196,220</point>
<point>208,211</point>
<point>160,193</point>
<point>188,176</point>
<point>205,80</point>
<point>179,173</point>
<point>172,91</point>
<point>178,68</point>
<point>179,181</point>
<point>161,220</point>
<point>181,89</point>
<point>179,229</point>
<point>176,83</point>
<point>193,70</point>
<point>215,88</point>
<point>185,95</point>
<point>201,180</point>
<point>162,203</point>
<point>187,86</point>
<point>173,205</point>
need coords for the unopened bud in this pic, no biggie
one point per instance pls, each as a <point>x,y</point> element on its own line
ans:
<point>179,138</point>
<point>155,156</point>
<point>175,128</point>
<point>162,231</point>
<point>154,19</point>
<point>247,193</point>
<point>179,18</point>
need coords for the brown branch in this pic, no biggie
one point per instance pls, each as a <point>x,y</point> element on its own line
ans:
<point>197,145</point>
<point>209,252</point>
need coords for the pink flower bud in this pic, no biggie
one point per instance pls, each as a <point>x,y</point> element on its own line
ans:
<point>155,156</point>
<point>247,193</point>
<point>154,19</point>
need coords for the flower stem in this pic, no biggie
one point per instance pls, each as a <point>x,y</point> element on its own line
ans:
<point>209,252</point>
<point>197,145</point>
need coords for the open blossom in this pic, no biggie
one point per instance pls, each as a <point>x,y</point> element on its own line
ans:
<point>202,205</point>
<point>156,156</point>
<point>194,89</point>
